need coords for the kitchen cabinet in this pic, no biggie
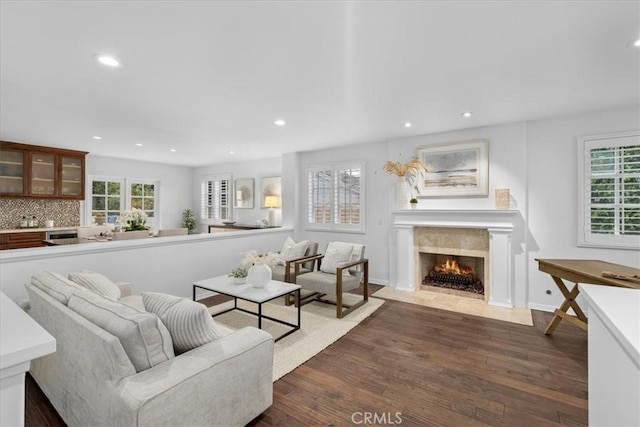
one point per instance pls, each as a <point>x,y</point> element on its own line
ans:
<point>41,172</point>
<point>27,239</point>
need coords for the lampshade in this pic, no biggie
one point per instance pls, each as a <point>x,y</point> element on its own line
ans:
<point>271,202</point>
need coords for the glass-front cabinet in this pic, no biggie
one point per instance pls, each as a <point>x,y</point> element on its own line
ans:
<point>72,176</point>
<point>41,172</point>
<point>12,167</point>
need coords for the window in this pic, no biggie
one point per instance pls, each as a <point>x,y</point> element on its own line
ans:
<point>216,202</point>
<point>609,190</point>
<point>106,200</point>
<point>110,196</point>
<point>335,197</point>
<point>142,196</point>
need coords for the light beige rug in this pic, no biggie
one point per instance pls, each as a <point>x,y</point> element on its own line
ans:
<point>319,327</point>
<point>458,304</point>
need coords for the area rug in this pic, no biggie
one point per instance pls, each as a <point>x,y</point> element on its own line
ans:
<point>458,304</point>
<point>319,327</point>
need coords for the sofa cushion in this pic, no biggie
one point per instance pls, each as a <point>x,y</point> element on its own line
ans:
<point>134,301</point>
<point>56,286</point>
<point>144,338</point>
<point>96,283</point>
<point>189,322</point>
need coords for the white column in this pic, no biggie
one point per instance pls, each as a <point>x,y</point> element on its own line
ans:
<point>405,262</point>
<point>500,279</point>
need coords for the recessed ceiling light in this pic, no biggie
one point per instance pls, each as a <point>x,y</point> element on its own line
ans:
<point>139,145</point>
<point>636,43</point>
<point>279,122</point>
<point>231,152</point>
<point>173,150</point>
<point>107,60</point>
<point>97,137</point>
<point>467,114</point>
<point>407,124</point>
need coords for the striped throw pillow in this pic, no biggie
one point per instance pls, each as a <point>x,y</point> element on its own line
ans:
<point>96,283</point>
<point>189,322</point>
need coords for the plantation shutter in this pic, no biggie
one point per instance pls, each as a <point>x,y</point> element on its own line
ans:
<point>335,197</point>
<point>611,193</point>
<point>215,202</point>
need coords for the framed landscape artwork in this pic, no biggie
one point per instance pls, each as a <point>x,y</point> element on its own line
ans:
<point>270,186</point>
<point>243,193</point>
<point>455,169</point>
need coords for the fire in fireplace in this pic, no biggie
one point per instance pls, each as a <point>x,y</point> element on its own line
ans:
<point>455,273</point>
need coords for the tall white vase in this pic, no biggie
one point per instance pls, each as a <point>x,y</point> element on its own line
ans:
<point>403,195</point>
<point>259,275</point>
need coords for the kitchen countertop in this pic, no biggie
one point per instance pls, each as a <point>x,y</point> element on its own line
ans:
<point>27,230</point>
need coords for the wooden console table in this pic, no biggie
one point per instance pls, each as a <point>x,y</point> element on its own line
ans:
<point>581,271</point>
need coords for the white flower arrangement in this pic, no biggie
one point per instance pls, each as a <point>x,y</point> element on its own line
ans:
<point>270,259</point>
<point>134,219</point>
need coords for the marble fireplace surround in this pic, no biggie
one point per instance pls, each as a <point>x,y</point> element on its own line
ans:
<point>499,224</point>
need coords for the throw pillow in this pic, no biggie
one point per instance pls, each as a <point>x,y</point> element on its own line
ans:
<point>292,250</point>
<point>56,286</point>
<point>189,322</point>
<point>144,338</point>
<point>97,283</point>
<point>337,253</point>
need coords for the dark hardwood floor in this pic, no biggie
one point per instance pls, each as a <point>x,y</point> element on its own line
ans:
<point>416,366</point>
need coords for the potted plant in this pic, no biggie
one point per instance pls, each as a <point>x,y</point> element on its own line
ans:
<point>239,275</point>
<point>189,220</point>
<point>414,203</point>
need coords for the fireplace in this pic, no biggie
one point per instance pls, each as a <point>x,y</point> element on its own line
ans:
<point>484,234</point>
<point>452,258</point>
<point>461,273</point>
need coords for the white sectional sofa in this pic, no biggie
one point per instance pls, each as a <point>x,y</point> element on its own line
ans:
<point>90,380</point>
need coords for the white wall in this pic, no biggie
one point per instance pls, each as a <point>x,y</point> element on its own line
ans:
<point>507,169</point>
<point>535,160</point>
<point>376,207</point>
<point>552,187</point>
<point>176,183</point>
<point>256,169</point>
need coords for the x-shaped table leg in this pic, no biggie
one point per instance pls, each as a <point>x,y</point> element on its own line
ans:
<point>570,301</point>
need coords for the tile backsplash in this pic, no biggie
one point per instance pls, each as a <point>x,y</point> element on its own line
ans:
<point>64,213</point>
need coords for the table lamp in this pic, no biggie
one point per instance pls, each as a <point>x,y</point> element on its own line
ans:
<point>271,202</point>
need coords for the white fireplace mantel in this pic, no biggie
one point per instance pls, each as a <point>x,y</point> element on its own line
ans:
<point>499,224</point>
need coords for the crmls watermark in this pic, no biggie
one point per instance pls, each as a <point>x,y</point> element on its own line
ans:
<point>376,418</point>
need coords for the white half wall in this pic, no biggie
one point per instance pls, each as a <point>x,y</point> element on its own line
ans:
<point>164,264</point>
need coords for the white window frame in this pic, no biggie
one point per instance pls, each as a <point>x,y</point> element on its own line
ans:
<point>217,205</point>
<point>585,237</point>
<point>333,225</point>
<point>125,196</point>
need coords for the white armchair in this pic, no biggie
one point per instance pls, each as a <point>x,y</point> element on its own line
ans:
<point>342,268</point>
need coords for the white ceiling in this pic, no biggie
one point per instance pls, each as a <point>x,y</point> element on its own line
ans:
<point>208,77</point>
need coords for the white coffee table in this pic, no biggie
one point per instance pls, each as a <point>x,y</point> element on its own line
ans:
<point>224,285</point>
